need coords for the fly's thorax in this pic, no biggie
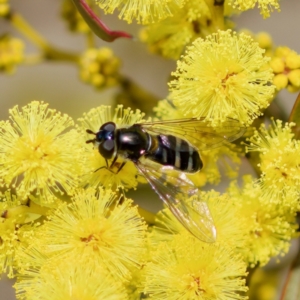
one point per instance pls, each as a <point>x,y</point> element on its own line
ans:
<point>132,142</point>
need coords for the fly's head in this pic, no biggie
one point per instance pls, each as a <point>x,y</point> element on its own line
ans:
<point>104,139</point>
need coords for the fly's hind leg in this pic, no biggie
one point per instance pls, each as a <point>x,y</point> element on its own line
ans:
<point>121,166</point>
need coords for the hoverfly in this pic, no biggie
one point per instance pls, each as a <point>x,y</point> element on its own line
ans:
<point>164,152</point>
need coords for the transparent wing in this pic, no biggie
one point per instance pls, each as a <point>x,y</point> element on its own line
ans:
<point>174,189</point>
<point>197,131</point>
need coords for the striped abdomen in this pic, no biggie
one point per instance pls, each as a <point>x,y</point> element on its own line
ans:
<point>169,150</point>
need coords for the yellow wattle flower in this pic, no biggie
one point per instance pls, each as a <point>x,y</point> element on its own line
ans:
<point>279,162</point>
<point>142,11</point>
<point>265,6</point>
<point>267,226</point>
<point>11,52</point>
<point>56,279</point>
<point>191,270</point>
<point>170,36</point>
<point>99,67</point>
<point>4,8</point>
<point>39,154</point>
<point>73,18</point>
<point>96,229</point>
<point>286,67</point>
<point>15,230</point>
<point>264,40</point>
<point>223,76</point>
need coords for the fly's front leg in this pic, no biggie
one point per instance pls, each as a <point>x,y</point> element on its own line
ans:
<point>110,168</point>
<point>121,166</point>
<point>114,162</point>
<point>104,167</point>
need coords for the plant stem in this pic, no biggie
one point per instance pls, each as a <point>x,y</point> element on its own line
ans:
<point>135,96</point>
<point>49,52</point>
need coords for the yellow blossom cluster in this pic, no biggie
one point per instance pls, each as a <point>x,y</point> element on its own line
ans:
<point>264,40</point>
<point>47,279</point>
<point>142,11</point>
<point>12,215</point>
<point>100,284</point>
<point>37,155</point>
<point>268,227</point>
<point>285,64</point>
<point>99,67</point>
<point>11,53</point>
<point>181,264</point>
<point>246,222</point>
<point>170,36</point>
<point>194,270</point>
<point>223,76</point>
<point>146,12</point>
<point>279,163</point>
<point>4,8</point>
<point>101,231</point>
<point>265,6</point>
<point>73,18</point>
<point>224,212</point>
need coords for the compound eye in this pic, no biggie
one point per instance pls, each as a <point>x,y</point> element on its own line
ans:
<point>107,149</point>
<point>109,126</point>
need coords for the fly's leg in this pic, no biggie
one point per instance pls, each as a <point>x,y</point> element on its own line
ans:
<point>109,168</point>
<point>104,167</point>
<point>121,166</point>
<point>113,163</point>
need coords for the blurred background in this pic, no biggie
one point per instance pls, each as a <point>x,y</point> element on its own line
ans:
<point>59,84</point>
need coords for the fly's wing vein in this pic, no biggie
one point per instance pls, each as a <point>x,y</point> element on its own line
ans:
<point>174,191</point>
<point>197,131</point>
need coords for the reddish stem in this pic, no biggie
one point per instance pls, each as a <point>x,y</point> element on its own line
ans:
<point>96,25</point>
